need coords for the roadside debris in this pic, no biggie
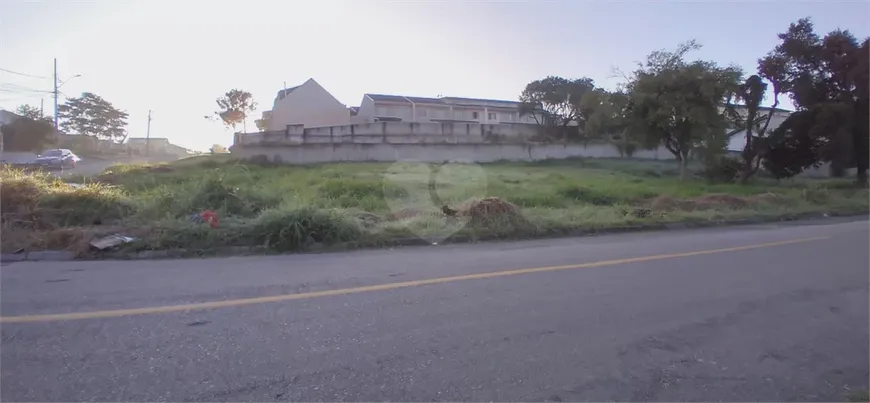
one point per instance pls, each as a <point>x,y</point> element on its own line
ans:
<point>111,241</point>
<point>206,216</point>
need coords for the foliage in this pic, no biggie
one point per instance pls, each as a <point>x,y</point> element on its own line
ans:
<point>262,124</point>
<point>605,113</point>
<point>795,144</point>
<point>676,103</point>
<point>724,169</point>
<point>234,107</point>
<point>555,103</point>
<point>218,149</point>
<point>92,115</point>
<point>293,229</point>
<point>25,134</point>
<point>32,112</point>
<point>827,79</point>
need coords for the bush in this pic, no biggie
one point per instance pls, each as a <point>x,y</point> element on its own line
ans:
<point>45,200</point>
<point>588,195</point>
<point>294,229</point>
<point>215,194</point>
<point>626,148</point>
<point>722,170</point>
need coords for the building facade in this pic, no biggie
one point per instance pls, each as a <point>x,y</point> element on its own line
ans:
<point>308,104</point>
<point>399,108</point>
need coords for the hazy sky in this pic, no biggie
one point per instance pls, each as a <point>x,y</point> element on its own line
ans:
<point>176,57</point>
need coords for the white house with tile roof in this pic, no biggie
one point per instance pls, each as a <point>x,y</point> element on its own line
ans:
<point>308,104</point>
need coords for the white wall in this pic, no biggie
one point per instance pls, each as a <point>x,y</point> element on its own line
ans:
<point>309,105</point>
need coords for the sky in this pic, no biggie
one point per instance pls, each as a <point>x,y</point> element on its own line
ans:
<point>176,57</point>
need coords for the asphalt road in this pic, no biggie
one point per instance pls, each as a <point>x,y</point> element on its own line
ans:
<point>672,316</point>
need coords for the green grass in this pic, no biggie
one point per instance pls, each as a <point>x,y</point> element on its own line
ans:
<point>287,208</point>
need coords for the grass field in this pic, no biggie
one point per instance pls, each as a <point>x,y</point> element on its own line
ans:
<point>288,208</point>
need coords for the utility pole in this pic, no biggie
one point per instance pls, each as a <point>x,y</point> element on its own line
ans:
<point>148,135</point>
<point>55,94</point>
<point>41,110</point>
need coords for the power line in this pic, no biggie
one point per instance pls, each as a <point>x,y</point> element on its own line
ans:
<point>23,74</point>
<point>11,87</point>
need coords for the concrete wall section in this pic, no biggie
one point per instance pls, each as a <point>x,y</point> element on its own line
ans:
<point>311,153</point>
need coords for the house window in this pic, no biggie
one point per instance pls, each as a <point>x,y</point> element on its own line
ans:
<point>492,116</point>
<point>475,115</point>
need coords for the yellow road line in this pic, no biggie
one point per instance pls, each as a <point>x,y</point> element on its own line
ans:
<point>380,287</point>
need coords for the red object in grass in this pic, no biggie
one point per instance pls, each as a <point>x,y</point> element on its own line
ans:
<point>210,217</point>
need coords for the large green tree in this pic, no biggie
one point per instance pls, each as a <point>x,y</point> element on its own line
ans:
<point>92,115</point>
<point>234,108</point>
<point>827,80</point>
<point>555,104</point>
<point>678,103</point>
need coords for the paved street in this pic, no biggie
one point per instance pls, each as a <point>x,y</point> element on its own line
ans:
<point>761,313</point>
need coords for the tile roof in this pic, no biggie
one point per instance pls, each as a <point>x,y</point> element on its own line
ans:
<point>480,102</point>
<point>495,103</point>
<point>387,98</point>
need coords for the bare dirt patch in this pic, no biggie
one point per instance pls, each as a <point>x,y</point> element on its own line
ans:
<point>488,210</point>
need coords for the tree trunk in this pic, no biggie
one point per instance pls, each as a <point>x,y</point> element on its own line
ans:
<point>684,166</point>
<point>862,176</point>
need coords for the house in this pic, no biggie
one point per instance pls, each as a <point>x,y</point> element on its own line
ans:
<point>308,104</point>
<point>7,117</point>
<point>381,107</point>
<point>737,136</point>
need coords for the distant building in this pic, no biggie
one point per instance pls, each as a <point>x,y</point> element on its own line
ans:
<point>308,104</point>
<point>7,117</point>
<point>393,108</point>
<point>156,146</point>
<point>737,136</point>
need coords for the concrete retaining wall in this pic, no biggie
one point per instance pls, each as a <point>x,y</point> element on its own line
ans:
<point>386,152</point>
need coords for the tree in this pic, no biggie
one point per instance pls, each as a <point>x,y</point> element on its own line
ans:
<point>555,103</point>
<point>262,124</point>
<point>605,112</point>
<point>676,103</point>
<point>218,149</point>
<point>755,124</point>
<point>234,106</point>
<point>31,112</point>
<point>26,134</point>
<point>92,115</point>
<point>827,80</point>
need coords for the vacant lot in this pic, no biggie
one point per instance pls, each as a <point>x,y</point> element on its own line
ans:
<point>286,208</point>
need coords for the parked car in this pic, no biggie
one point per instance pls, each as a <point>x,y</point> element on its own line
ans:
<point>57,158</point>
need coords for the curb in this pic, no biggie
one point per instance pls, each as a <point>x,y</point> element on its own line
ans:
<point>57,256</point>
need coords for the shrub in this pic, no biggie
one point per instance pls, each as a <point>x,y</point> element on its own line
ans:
<point>294,229</point>
<point>722,170</point>
<point>215,194</point>
<point>587,195</point>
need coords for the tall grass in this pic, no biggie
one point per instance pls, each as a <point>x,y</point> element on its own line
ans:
<point>292,207</point>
